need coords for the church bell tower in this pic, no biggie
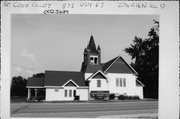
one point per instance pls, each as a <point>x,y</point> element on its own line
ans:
<point>92,57</point>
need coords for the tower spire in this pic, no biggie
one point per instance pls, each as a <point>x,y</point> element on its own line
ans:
<point>99,49</point>
<point>85,50</point>
<point>91,46</point>
<point>92,57</point>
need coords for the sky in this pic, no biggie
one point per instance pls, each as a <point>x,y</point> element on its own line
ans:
<point>56,42</point>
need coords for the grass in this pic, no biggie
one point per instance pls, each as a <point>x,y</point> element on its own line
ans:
<point>17,99</point>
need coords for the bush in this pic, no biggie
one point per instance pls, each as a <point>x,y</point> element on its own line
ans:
<point>124,97</point>
<point>136,97</point>
<point>130,97</point>
<point>112,96</point>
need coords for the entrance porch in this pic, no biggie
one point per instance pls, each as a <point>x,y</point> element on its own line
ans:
<point>36,94</point>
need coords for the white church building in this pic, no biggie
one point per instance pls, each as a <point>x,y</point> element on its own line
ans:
<point>96,80</point>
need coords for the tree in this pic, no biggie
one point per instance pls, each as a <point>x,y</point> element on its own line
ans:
<point>145,54</point>
<point>39,75</point>
<point>18,86</point>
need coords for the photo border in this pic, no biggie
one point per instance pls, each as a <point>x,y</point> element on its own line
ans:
<point>168,50</point>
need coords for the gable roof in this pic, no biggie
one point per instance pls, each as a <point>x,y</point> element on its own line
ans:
<point>108,64</point>
<point>96,73</point>
<point>99,76</point>
<point>138,83</point>
<point>59,78</point>
<point>35,82</point>
<point>118,65</point>
<point>70,83</point>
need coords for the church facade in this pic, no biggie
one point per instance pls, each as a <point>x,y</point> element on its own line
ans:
<point>96,80</point>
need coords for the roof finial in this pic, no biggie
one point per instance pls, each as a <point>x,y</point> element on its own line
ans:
<point>91,34</point>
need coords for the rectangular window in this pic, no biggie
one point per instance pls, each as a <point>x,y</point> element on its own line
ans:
<point>117,82</point>
<point>98,83</point>
<point>124,82</point>
<point>65,93</point>
<point>74,94</point>
<point>56,90</point>
<point>70,93</point>
<point>121,82</point>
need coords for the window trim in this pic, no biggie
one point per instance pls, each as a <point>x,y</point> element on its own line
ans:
<point>124,82</point>
<point>70,93</point>
<point>74,93</point>
<point>121,82</point>
<point>117,82</point>
<point>98,83</point>
<point>65,93</point>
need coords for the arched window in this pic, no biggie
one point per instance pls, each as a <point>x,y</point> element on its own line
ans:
<point>95,60</point>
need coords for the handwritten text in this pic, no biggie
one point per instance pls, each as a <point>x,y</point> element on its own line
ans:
<point>56,11</point>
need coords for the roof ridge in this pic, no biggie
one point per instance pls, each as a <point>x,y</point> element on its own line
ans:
<point>96,73</point>
<point>62,71</point>
<point>116,58</point>
<point>130,66</point>
<point>58,78</point>
<point>35,78</point>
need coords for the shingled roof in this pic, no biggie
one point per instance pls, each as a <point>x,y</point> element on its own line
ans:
<point>90,68</point>
<point>59,78</point>
<point>91,46</point>
<point>118,65</point>
<point>107,64</point>
<point>35,82</point>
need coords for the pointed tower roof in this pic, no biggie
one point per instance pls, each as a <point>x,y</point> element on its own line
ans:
<point>98,48</point>
<point>85,50</point>
<point>91,46</point>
